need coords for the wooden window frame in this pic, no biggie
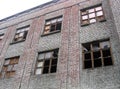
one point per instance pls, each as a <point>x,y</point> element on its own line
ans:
<point>101,54</point>
<point>50,24</point>
<point>97,18</point>
<point>22,38</point>
<point>8,70</point>
<point>47,59</point>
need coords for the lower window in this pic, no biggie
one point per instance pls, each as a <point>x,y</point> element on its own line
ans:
<point>47,62</point>
<point>9,67</point>
<point>97,54</point>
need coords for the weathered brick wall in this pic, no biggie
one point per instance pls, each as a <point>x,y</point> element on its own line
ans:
<point>70,72</point>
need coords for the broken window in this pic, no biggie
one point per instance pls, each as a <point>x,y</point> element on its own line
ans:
<point>1,36</point>
<point>21,34</point>
<point>9,67</point>
<point>47,62</point>
<point>53,25</point>
<point>92,15</point>
<point>97,54</point>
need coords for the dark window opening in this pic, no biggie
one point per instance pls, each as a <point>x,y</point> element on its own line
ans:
<point>97,54</point>
<point>88,64</point>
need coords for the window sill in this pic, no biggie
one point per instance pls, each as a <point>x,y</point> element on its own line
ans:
<point>15,42</point>
<point>50,33</point>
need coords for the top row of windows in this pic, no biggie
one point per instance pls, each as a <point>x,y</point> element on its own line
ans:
<point>88,16</point>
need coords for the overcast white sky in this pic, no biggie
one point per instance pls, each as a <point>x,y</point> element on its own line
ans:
<point>11,7</point>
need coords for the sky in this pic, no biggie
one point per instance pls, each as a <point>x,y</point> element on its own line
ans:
<point>11,7</point>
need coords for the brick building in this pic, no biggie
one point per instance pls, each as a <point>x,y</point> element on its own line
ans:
<point>62,44</point>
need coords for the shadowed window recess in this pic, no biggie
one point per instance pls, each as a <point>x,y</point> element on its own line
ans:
<point>97,54</point>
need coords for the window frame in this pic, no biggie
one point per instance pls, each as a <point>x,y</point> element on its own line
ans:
<point>56,30</point>
<point>97,18</point>
<point>43,60</point>
<point>101,54</point>
<point>22,37</point>
<point>13,61</point>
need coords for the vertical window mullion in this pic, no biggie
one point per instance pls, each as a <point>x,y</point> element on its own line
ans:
<point>92,58</point>
<point>102,59</point>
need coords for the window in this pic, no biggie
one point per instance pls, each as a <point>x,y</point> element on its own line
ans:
<point>47,62</point>
<point>92,15</point>
<point>21,34</point>
<point>53,25</point>
<point>9,67</point>
<point>1,36</point>
<point>97,54</point>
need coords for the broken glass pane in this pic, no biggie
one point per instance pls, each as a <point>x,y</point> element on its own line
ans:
<point>91,10</point>
<point>38,71</point>
<point>100,13</point>
<point>84,17</point>
<point>41,56</point>
<point>40,64</point>
<point>92,15</point>
<point>48,55</point>
<point>92,20</point>
<point>98,8</point>
<point>105,45</point>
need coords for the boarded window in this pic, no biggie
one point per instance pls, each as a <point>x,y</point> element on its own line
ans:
<point>92,15</point>
<point>9,67</point>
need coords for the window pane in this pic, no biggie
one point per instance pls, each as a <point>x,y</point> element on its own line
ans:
<point>47,63</point>
<point>54,21</point>
<point>108,61</point>
<point>91,10</point>
<point>52,27</point>
<point>92,20</point>
<point>87,64</point>
<point>54,62</point>
<point>87,56</point>
<point>105,45</point>
<point>86,47</point>
<point>85,17</point>
<point>95,46</point>
<point>92,15</point>
<point>10,67</point>
<point>46,70</point>
<point>41,56</point>
<point>53,69</point>
<point>48,22</point>
<point>5,68</point>
<point>59,19</point>
<point>40,64</point>
<point>7,62</point>
<point>58,26</point>
<point>47,27</point>
<point>48,55</point>
<point>84,12</point>
<point>98,63</point>
<point>38,71</point>
<point>106,53</point>
<point>98,8</point>
<point>85,22</point>
<point>97,55</point>
<point>100,13</point>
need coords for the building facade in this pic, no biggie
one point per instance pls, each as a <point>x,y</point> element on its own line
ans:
<point>62,44</point>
